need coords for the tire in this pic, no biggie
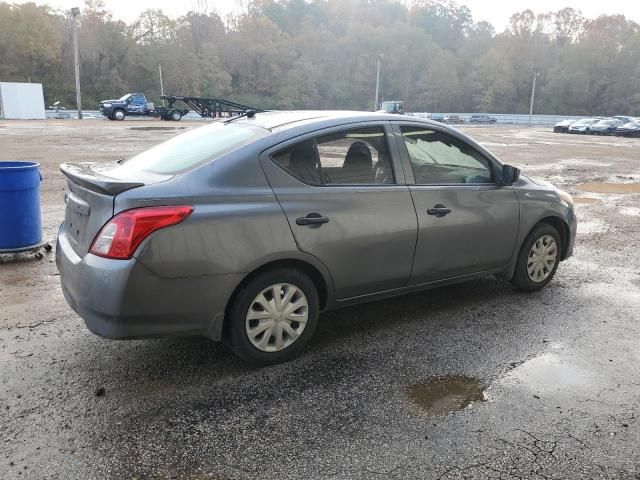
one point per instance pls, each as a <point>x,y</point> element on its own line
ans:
<point>119,114</point>
<point>176,115</point>
<point>522,278</point>
<point>254,350</point>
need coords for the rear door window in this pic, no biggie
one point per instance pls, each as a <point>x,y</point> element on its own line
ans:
<point>301,161</point>
<point>193,148</point>
<point>351,157</point>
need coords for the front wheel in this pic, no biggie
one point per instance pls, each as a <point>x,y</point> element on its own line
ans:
<point>118,115</point>
<point>272,317</point>
<point>538,259</point>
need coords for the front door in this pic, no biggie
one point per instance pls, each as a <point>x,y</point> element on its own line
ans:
<point>137,104</point>
<point>467,223</point>
<point>344,197</point>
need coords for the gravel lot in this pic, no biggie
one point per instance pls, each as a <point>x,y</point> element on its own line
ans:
<point>558,368</point>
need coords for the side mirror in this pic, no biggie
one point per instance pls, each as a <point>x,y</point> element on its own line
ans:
<point>510,175</point>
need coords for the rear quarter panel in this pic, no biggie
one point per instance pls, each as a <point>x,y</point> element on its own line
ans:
<point>237,224</point>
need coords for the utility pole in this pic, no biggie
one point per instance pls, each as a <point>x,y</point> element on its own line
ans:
<point>377,105</point>
<point>75,11</point>
<point>533,95</point>
<point>161,85</point>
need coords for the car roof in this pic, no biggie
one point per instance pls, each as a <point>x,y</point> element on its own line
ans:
<point>283,120</point>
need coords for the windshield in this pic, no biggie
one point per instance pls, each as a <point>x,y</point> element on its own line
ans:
<point>124,98</point>
<point>193,148</point>
<point>605,122</point>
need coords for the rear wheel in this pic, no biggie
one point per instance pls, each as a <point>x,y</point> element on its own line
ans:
<point>538,258</point>
<point>176,115</point>
<point>273,316</point>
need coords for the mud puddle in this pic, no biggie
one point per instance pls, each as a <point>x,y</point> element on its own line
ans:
<point>588,227</point>
<point>442,395</point>
<point>587,200</point>
<point>609,187</point>
<point>631,211</point>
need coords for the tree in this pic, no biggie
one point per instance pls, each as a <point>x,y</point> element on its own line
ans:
<point>323,53</point>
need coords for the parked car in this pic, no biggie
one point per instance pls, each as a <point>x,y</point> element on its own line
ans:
<point>583,126</point>
<point>631,129</point>
<point>625,118</point>
<point>605,127</point>
<point>244,230</point>
<point>455,119</point>
<point>438,117</point>
<point>421,115</point>
<point>478,118</point>
<point>563,126</point>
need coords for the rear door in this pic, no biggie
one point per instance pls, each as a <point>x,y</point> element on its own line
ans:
<point>344,196</point>
<point>467,223</point>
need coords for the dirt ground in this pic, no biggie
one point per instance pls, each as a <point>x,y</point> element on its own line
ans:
<point>558,369</point>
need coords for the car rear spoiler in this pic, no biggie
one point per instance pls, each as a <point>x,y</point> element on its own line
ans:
<point>93,176</point>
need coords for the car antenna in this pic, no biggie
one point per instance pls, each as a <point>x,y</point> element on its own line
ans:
<point>248,114</point>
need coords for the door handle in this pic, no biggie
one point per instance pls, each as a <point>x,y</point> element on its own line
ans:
<point>312,219</point>
<point>439,210</point>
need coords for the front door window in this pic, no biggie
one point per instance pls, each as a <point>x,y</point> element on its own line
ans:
<point>439,159</point>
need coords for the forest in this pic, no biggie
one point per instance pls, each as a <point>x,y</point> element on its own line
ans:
<point>322,54</point>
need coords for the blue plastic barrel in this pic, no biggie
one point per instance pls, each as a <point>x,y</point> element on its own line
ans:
<point>20,222</point>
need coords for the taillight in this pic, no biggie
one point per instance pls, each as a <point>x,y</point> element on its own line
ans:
<point>121,235</point>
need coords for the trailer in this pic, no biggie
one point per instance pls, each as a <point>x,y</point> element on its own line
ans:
<point>208,107</point>
<point>136,104</point>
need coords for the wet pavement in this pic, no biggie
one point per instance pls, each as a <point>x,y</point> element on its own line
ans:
<point>474,380</point>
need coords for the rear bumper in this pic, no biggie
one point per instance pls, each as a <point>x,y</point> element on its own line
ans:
<point>123,299</point>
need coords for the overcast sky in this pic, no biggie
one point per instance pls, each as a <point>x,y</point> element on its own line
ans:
<point>496,12</point>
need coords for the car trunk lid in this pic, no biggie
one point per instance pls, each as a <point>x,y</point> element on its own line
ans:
<point>91,190</point>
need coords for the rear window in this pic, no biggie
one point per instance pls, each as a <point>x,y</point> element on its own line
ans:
<point>193,148</point>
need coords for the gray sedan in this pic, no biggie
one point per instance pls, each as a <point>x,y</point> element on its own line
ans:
<point>244,230</point>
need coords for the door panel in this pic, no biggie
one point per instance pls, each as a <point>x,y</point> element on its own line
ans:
<point>364,234</point>
<point>479,234</point>
<point>467,223</point>
<point>367,243</point>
